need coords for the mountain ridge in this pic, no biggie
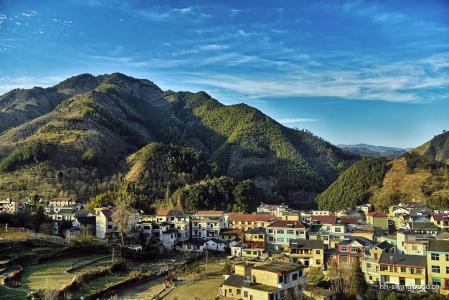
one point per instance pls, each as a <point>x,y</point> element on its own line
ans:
<point>99,121</point>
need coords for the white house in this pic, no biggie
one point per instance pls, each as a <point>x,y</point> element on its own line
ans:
<point>207,224</point>
<point>281,232</point>
<point>104,227</point>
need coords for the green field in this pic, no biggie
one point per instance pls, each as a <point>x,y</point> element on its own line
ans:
<point>11,294</point>
<point>99,283</point>
<point>52,274</point>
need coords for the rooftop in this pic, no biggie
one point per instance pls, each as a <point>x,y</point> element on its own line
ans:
<point>377,214</point>
<point>251,217</point>
<point>306,244</point>
<point>403,259</point>
<point>325,219</point>
<point>209,212</point>
<point>287,224</point>
<point>168,213</point>
<point>278,267</point>
<point>438,246</point>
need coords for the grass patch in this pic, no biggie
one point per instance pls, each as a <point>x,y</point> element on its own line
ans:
<point>12,294</point>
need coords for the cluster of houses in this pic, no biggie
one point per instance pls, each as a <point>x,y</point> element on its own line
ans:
<point>406,246</point>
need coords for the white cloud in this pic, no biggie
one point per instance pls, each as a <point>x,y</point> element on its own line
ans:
<point>287,121</point>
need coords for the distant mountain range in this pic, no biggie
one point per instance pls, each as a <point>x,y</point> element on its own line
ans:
<point>371,150</point>
<point>97,137</point>
<point>419,175</point>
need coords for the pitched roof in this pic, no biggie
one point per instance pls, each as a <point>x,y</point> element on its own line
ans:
<point>377,214</point>
<point>235,280</point>
<point>348,220</point>
<point>209,212</point>
<point>384,245</point>
<point>306,244</point>
<point>168,212</point>
<point>443,236</point>
<point>438,245</point>
<point>62,198</point>
<point>325,219</point>
<point>106,212</point>
<point>425,226</point>
<point>251,217</point>
<point>287,224</point>
<point>85,220</point>
<point>403,259</point>
<point>360,239</point>
<point>441,217</point>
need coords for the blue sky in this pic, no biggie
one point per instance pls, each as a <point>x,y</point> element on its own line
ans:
<point>350,71</point>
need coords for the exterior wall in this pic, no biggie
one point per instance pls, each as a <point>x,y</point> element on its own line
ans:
<point>415,248</point>
<point>9,206</point>
<point>279,237</point>
<point>392,274</point>
<point>308,257</point>
<point>443,275</point>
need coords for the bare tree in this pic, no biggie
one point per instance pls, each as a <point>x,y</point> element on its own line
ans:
<point>122,214</point>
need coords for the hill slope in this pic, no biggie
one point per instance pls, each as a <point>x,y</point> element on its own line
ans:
<point>419,176</point>
<point>89,135</point>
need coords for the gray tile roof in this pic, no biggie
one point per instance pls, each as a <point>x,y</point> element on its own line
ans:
<point>439,246</point>
<point>306,244</point>
<point>403,259</point>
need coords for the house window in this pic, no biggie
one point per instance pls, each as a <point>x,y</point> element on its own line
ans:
<point>318,262</point>
<point>280,240</point>
<point>344,259</point>
<point>436,281</point>
<point>280,231</point>
<point>317,251</point>
<point>281,279</point>
<point>447,270</point>
<point>270,230</point>
<point>435,269</point>
<point>403,269</point>
<point>294,276</point>
<point>239,291</point>
<point>447,257</point>
<point>337,229</point>
<point>245,294</point>
<point>414,248</point>
<point>417,281</point>
<point>289,231</point>
<point>434,256</point>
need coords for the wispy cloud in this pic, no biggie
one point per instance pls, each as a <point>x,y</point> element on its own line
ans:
<point>289,121</point>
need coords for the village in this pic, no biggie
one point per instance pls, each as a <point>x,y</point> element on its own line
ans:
<point>277,252</point>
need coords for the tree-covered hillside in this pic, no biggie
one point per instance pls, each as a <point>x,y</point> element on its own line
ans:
<point>353,186</point>
<point>113,132</point>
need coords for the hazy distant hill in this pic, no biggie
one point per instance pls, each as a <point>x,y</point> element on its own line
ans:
<point>90,134</point>
<point>370,150</point>
<point>422,175</point>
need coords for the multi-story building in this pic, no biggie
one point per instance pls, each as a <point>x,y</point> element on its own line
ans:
<point>104,228</point>
<point>370,261</point>
<point>350,249</point>
<point>378,219</point>
<point>402,269</point>
<point>309,252</point>
<point>281,232</point>
<point>84,223</point>
<point>207,224</point>
<point>61,201</point>
<point>440,220</point>
<point>9,206</point>
<point>407,239</point>
<point>273,209</point>
<point>270,281</point>
<point>438,265</point>
<point>250,221</point>
<point>256,238</point>
<point>61,213</point>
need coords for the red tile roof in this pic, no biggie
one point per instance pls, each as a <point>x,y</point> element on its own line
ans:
<point>167,212</point>
<point>209,212</point>
<point>440,217</point>
<point>377,214</point>
<point>288,224</point>
<point>348,220</point>
<point>251,217</point>
<point>325,219</point>
<point>62,198</point>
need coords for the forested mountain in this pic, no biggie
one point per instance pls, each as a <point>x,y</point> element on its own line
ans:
<point>91,136</point>
<point>422,175</point>
<point>371,150</point>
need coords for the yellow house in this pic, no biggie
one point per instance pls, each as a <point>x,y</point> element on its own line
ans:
<point>440,220</point>
<point>370,261</point>
<point>256,238</point>
<point>310,253</point>
<point>417,247</point>
<point>438,264</point>
<point>270,281</point>
<point>402,269</point>
<point>377,219</point>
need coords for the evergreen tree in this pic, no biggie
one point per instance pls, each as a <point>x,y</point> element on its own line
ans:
<point>358,285</point>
